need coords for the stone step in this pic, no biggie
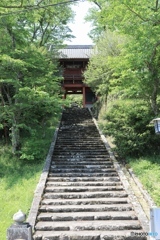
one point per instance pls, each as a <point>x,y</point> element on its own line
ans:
<point>60,144</point>
<point>97,157</point>
<point>80,148</point>
<point>82,127</point>
<point>90,201</point>
<point>87,151</point>
<point>85,216</point>
<point>90,235</point>
<point>74,165</point>
<point>82,179</point>
<point>84,170</point>
<point>81,166</point>
<point>86,208</point>
<point>79,189</point>
<point>80,195</point>
<point>67,138</point>
<point>88,225</point>
<point>77,145</point>
<point>81,161</point>
<point>79,135</point>
<point>109,174</point>
<point>80,156</point>
<point>56,184</point>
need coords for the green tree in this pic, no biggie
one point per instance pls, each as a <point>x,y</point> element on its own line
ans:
<point>100,74</point>
<point>137,68</point>
<point>29,79</point>
<point>131,74</point>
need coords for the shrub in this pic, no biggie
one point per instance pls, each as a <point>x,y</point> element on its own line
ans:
<point>127,122</point>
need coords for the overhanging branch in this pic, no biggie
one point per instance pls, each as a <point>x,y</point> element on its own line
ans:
<point>34,7</point>
<point>137,14</point>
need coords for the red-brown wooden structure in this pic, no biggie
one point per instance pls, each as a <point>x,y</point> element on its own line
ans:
<point>73,60</point>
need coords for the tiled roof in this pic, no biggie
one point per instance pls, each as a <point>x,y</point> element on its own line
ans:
<point>76,51</point>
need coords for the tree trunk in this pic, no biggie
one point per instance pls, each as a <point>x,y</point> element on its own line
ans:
<point>155,90</point>
<point>154,100</point>
<point>15,137</point>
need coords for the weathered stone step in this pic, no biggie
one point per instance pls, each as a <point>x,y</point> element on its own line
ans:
<point>80,148</point>
<point>82,160</point>
<point>89,235</point>
<point>83,143</point>
<point>86,208</point>
<point>79,189</point>
<point>73,161</point>
<point>78,125</point>
<point>80,157</point>
<point>81,216</point>
<point>79,133</point>
<point>55,184</point>
<point>74,167</point>
<point>78,136</point>
<point>79,143</point>
<point>90,127</point>
<point>98,194</point>
<point>82,179</point>
<point>88,225</point>
<point>84,170</point>
<point>90,201</point>
<point>68,138</point>
<point>109,174</point>
<point>72,125</point>
<point>87,151</point>
<point>81,166</point>
<point>88,157</point>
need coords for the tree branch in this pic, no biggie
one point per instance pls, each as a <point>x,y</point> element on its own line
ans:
<point>98,5</point>
<point>137,14</point>
<point>1,96</point>
<point>157,5</point>
<point>43,32</point>
<point>9,29</point>
<point>32,7</point>
<point>154,51</point>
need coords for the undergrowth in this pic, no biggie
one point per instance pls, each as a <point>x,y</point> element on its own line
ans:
<point>19,176</point>
<point>147,169</point>
<point>146,163</point>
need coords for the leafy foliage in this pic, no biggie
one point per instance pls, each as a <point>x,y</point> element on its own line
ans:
<point>128,123</point>
<point>30,92</point>
<point>18,181</point>
<point>124,70</point>
<point>100,72</point>
<point>139,58</point>
<point>148,171</point>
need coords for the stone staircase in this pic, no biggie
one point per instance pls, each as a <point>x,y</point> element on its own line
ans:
<point>84,198</point>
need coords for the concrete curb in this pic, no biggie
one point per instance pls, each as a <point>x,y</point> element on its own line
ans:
<point>146,195</point>
<point>42,181</point>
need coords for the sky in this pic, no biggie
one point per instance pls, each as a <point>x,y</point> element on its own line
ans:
<point>80,28</point>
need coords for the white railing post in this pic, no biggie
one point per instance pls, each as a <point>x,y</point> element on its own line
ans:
<point>155,223</point>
